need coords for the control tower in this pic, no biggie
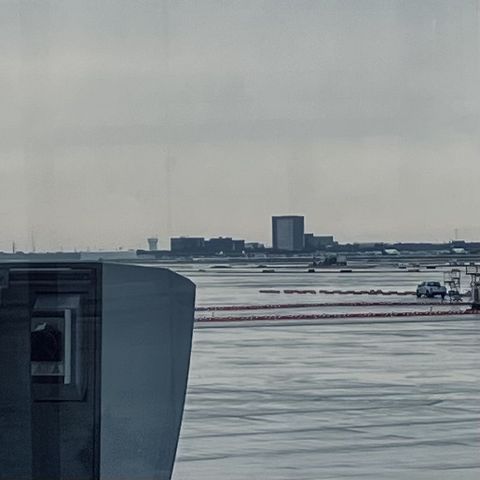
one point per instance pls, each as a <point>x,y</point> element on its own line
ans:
<point>152,244</point>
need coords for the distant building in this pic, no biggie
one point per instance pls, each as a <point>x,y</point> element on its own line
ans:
<point>224,245</point>
<point>152,244</point>
<point>318,242</point>
<point>239,246</point>
<point>108,255</point>
<point>288,233</point>
<point>254,246</point>
<point>187,244</point>
<point>201,246</point>
<point>41,256</point>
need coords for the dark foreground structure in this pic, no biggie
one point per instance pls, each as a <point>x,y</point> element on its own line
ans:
<point>94,361</point>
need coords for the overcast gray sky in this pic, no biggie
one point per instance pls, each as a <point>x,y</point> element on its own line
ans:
<point>123,119</point>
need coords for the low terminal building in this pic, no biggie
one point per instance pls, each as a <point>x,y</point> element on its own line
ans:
<point>224,245</point>
<point>318,242</point>
<point>187,244</point>
<point>202,246</point>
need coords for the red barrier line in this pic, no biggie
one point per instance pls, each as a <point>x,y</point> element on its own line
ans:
<point>313,292</point>
<point>348,292</point>
<point>360,292</point>
<point>324,316</point>
<point>234,308</point>
<point>343,292</point>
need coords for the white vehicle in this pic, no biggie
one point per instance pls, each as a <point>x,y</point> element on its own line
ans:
<point>431,289</point>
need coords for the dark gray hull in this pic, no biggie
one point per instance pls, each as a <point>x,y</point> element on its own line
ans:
<point>111,407</point>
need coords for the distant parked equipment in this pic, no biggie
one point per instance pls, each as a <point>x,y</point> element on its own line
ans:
<point>474,272</point>
<point>453,280</point>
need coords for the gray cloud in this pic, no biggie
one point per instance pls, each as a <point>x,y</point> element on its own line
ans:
<point>121,119</point>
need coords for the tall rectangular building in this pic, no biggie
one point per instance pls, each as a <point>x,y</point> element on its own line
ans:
<point>288,233</point>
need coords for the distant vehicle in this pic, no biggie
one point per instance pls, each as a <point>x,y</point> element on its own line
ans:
<point>431,289</point>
